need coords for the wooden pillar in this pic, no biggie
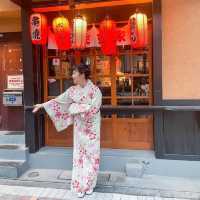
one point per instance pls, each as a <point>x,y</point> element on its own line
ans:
<point>32,64</point>
<point>157,77</point>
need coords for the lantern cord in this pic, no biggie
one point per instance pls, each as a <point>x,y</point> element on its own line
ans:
<point>71,4</point>
<point>60,12</point>
<point>137,10</point>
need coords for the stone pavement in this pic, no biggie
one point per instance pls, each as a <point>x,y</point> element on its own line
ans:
<point>35,193</point>
<point>110,186</point>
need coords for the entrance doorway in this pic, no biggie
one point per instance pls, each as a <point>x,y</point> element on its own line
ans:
<point>125,79</point>
<point>10,64</point>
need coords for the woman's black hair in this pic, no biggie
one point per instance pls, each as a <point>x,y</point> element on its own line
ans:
<point>83,69</point>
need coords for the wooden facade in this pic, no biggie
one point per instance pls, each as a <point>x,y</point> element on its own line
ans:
<point>137,130</point>
<point>175,123</point>
<point>10,64</point>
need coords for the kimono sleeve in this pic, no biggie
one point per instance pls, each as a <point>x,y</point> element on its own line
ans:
<point>87,111</point>
<point>57,109</point>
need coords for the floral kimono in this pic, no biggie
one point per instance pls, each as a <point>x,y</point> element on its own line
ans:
<point>80,106</point>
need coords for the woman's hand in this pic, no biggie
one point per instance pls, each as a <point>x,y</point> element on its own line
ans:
<point>37,107</point>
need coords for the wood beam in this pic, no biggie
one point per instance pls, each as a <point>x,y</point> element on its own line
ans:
<point>90,5</point>
<point>32,65</point>
<point>23,3</point>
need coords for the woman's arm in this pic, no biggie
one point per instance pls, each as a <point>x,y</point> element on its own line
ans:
<point>62,99</point>
<point>57,109</point>
<point>37,107</point>
<point>87,110</point>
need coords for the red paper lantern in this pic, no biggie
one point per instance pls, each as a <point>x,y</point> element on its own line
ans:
<point>62,33</point>
<point>79,32</point>
<point>138,30</point>
<point>38,29</point>
<point>108,34</point>
<point>123,36</point>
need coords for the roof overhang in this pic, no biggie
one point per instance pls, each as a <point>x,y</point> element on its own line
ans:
<point>56,5</point>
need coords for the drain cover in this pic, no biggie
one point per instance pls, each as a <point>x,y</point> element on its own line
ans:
<point>33,174</point>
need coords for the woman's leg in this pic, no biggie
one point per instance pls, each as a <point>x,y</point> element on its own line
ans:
<point>76,182</point>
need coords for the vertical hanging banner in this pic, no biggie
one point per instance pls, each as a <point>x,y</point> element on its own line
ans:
<point>79,32</point>
<point>138,29</point>
<point>38,29</point>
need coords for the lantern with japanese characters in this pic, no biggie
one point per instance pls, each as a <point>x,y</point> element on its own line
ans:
<point>62,31</point>
<point>108,35</point>
<point>38,29</point>
<point>138,30</point>
<point>79,32</point>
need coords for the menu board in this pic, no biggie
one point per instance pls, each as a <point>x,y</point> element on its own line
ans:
<point>15,82</point>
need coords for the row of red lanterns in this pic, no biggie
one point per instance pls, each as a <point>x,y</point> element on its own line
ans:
<point>108,32</point>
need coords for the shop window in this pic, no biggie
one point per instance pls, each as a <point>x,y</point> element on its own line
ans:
<point>53,87</point>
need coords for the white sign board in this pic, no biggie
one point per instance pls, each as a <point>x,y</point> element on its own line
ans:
<point>15,82</point>
<point>12,98</point>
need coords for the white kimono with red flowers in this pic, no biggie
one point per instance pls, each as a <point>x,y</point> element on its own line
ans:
<point>80,106</point>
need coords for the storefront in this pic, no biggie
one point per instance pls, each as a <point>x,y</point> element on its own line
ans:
<point>11,68</point>
<point>133,77</point>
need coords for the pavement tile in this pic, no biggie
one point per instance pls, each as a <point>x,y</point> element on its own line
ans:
<point>34,193</point>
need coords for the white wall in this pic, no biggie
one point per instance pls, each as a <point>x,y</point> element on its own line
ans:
<point>181,49</point>
<point>9,17</point>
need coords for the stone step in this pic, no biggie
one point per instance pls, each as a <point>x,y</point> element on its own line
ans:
<point>57,175</point>
<point>12,137</point>
<point>13,152</point>
<point>46,156</point>
<point>12,168</point>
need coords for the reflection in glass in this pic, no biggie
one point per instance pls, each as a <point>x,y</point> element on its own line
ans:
<point>123,86</point>
<point>141,86</point>
<point>138,116</point>
<point>138,64</point>
<point>86,60</point>
<point>66,69</point>
<point>105,115</point>
<point>128,63</point>
<point>135,116</point>
<point>106,101</point>
<point>143,102</point>
<point>123,64</point>
<point>102,65</point>
<point>67,83</point>
<point>124,102</point>
<point>104,85</point>
<point>53,87</point>
<point>54,66</point>
<point>123,115</point>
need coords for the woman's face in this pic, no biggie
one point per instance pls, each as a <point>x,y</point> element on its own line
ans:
<point>77,77</point>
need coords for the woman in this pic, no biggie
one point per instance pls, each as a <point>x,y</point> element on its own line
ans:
<point>80,105</point>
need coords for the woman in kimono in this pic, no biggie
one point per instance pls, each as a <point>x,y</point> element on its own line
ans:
<point>79,105</point>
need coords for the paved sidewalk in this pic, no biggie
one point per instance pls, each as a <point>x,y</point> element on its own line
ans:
<point>112,185</point>
<point>33,193</point>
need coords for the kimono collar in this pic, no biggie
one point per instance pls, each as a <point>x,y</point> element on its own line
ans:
<point>88,83</point>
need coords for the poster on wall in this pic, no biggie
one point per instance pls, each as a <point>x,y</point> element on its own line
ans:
<point>15,82</point>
